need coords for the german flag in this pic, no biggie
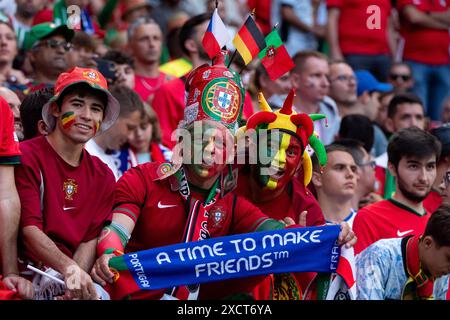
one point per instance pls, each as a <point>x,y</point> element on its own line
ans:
<point>249,41</point>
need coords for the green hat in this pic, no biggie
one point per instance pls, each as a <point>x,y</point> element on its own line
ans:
<point>45,30</point>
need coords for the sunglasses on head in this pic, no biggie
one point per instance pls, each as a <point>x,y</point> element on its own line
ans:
<point>53,44</point>
<point>404,77</point>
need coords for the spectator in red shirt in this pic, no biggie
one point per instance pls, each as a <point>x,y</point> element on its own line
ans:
<point>424,25</point>
<point>10,206</point>
<point>365,42</point>
<point>60,219</point>
<point>169,100</point>
<point>413,155</point>
<point>145,43</point>
<point>434,199</point>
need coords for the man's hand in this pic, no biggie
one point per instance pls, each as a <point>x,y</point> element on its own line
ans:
<point>20,285</point>
<point>369,199</point>
<point>100,271</point>
<point>346,236</point>
<point>79,285</point>
<point>301,220</point>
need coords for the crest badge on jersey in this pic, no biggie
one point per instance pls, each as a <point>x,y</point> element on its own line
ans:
<point>218,216</point>
<point>70,188</point>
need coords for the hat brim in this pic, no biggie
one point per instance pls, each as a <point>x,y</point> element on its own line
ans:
<point>384,87</point>
<point>112,109</point>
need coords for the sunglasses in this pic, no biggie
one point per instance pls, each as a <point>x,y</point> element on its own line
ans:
<point>404,77</point>
<point>53,44</point>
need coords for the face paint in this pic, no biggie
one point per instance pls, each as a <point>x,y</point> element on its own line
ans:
<point>68,119</point>
<point>96,127</point>
<point>285,153</point>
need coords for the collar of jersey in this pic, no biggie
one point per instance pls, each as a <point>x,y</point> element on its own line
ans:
<point>405,207</point>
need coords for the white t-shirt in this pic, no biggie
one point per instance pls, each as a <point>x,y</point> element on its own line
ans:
<point>95,150</point>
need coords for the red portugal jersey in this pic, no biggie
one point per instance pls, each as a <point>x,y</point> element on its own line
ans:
<point>69,204</point>
<point>168,104</point>
<point>160,216</point>
<point>422,44</point>
<point>387,219</point>
<point>146,87</point>
<point>9,145</point>
<point>356,34</point>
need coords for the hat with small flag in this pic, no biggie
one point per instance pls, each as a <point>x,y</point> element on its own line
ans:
<point>96,81</point>
<point>214,93</point>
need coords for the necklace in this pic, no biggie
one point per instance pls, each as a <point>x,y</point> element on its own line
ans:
<point>152,88</point>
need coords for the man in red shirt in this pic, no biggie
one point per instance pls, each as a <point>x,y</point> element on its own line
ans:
<point>424,26</point>
<point>362,33</point>
<point>9,207</point>
<point>61,218</point>
<point>161,204</point>
<point>434,199</point>
<point>413,154</point>
<point>169,100</point>
<point>145,41</point>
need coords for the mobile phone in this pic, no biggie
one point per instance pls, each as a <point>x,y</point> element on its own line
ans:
<point>107,68</point>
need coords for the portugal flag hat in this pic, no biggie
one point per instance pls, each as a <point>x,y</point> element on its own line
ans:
<point>96,81</point>
<point>214,93</point>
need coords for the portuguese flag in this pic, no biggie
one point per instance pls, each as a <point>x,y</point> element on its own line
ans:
<point>249,41</point>
<point>274,57</point>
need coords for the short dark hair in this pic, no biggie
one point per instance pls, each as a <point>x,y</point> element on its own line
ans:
<point>301,57</point>
<point>128,99</point>
<point>354,147</point>
<point>83,40</point>
<point>328,149</point>
<point>401,98</point>
<point>398,64</point>
<point>188,29</point>
<point>83,90</point>
<point>412,142</point>
<point>119,57</point>
<point>438,226</point>
<point>31,111</point>
<point>358,127</point>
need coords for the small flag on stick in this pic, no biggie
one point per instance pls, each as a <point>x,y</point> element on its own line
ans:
<point>216,36</point>
<point>274,57</point>
<point>249,41</point>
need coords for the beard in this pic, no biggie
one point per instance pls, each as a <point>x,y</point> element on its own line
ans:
<point>412,196</point>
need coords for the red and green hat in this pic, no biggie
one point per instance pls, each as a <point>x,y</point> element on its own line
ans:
<point>96,81</point>
<point>214,93</point>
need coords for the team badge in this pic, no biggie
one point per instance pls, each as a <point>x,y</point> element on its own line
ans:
<point>270,53</point>
<point>218,216</point>
<point>91,76</point>
<point>70,188</point>
<point>221,100</point>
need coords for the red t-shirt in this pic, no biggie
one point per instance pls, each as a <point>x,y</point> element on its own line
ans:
<point>432,202</point>
<point>147,87</point>
<point>160,215</point>
<point>386,219</point>
<point>9,144</point>
<point>355,37</point>
<point>425,45</point>
<point>168,104</point>
<point>69,204</point>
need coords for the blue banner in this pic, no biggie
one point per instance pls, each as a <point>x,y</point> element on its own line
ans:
<point>311,249</point>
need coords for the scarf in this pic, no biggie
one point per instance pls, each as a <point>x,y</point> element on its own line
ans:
<point>418,286</point>
<point>196,227</point>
